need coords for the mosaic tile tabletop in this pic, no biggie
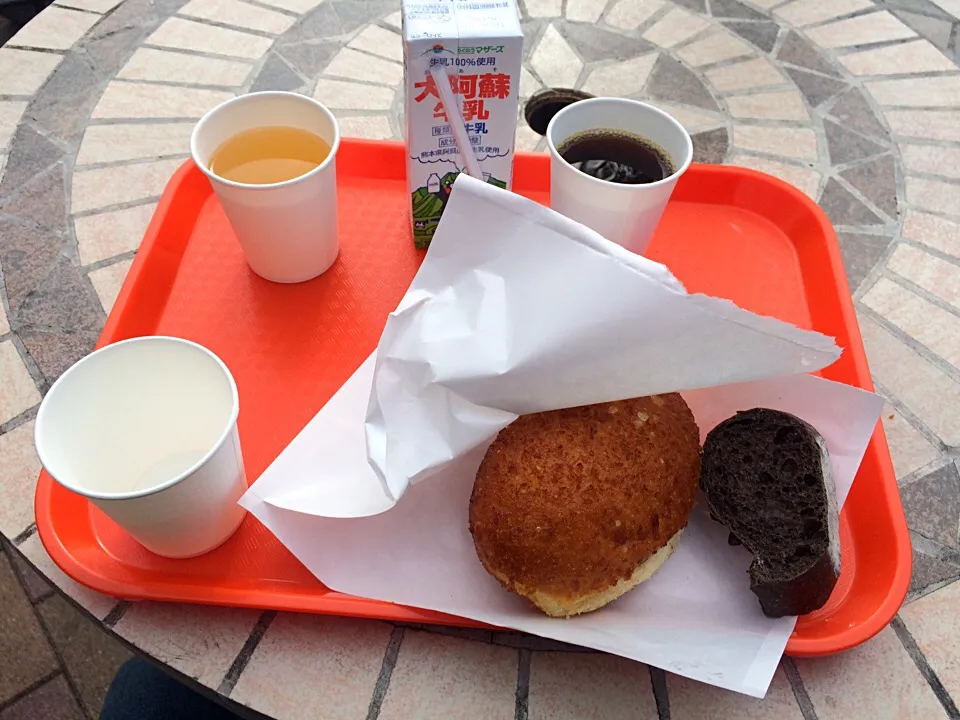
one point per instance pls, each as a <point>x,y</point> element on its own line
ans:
<point>856,102</point>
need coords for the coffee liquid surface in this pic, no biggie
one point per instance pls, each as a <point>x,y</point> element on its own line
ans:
<point>617,156</point>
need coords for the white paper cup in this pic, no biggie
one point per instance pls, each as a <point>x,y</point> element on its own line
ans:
<point>624,214</point>
<point>288,230</point>
<point>147,430</point>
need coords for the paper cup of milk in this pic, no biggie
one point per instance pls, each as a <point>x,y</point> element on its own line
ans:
<point>625,213</point>
<point>287,228</point>
<point>147,430</point>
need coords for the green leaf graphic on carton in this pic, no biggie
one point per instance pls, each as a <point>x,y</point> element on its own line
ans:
<point>427,204</point>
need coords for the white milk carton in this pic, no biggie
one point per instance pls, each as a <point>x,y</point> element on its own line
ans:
<point>479,45</point>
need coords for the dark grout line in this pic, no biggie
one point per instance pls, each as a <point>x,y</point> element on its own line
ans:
<point>658,683</point>
<point>386,671</point>
<point>62,664</point>
<point>113,617</point>
<point>799,691</point>
<point>522,709</point>
<point>923,666</point>
<point>34,686</point>
<point>239,663</point>
<point>21,576</point>
<point>25,535</point>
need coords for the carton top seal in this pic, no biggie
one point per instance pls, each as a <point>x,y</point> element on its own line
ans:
<point>463,19</point>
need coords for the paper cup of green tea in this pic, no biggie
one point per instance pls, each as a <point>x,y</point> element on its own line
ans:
<point>271,158</point>
<point>146,429</point>
<point>614,164</point>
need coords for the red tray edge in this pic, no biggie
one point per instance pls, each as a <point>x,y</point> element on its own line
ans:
<point>350,606</point>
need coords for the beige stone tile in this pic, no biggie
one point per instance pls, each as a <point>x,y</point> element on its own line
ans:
<point>55,28</point>
<point>786,105</point>
<point>125,99</point>
<point>22,72</point>
<point>97,6</point>
<point>151,64</point>
<point>808,12</point>
<point>341,95</point>
<point>93,602</point>
<point>17,391</point>
<point>908,448</point>
<point>573,686</point>
<point>371,126</point>
<point>755,73</point>
<point>692,700</point>
<point>543,8</point>
<point>3,164</point>
<point>108,280</point>
<point>554,60</point>
<point>10,113</point>
<point>859,30</point>
<point>586,11</point>
<point>849,685</point>
<point>675,27</point>
<point>935,625</point>
<point>926,391</point>
<point>692,120</point>
<point>333,662</point>
<point>112,143</point>
<point>190,35</point>
<point>102,187</point>
<point>718,45</point>
<point>933,159</point>
<point>527,139</point>
<point>21,467</point>
<point>438,677</point>
<point>931,124</point>
<point>201,642</point>
<point>807,179</point>
<point>629,14</point>
<point>108,234</point>
<point>936,276</point>
<point>928,324</point>
<point>297,6</point>
<point>4,323</point>
<point>937,232</point>
<point>912,57</point>
<point>374,39</point>
<point>621,78</point>
<point>950,6</point>
<point>800,143</point>
<point>394,20</point>
<point>943,91</point>
<point>239,14</point>
<point>349,63</point>
<point>528,83</point>
<point>933,195</point>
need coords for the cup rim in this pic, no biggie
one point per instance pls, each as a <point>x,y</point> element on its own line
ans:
<point>40,443</point>
<point>673,177</point>
<point>252,97</point>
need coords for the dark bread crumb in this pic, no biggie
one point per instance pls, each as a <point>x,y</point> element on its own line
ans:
<point>766,477</point>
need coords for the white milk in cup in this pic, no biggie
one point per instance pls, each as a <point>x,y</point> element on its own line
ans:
<point>478,46</point>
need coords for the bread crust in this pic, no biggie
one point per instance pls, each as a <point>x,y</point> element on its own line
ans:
<point>766,476</point>
<point>569,503</point>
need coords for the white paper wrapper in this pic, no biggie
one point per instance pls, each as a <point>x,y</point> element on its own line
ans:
<point>517,309</point>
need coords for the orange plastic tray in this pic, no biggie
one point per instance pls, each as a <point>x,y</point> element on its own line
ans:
<point>729,232</point>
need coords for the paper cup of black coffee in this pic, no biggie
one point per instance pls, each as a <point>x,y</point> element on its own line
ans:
<point>614,164</point>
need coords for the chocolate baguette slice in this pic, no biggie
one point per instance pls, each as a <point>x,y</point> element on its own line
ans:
<point>766,476</point>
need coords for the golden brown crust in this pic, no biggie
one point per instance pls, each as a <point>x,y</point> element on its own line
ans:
<point>570,502</point>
